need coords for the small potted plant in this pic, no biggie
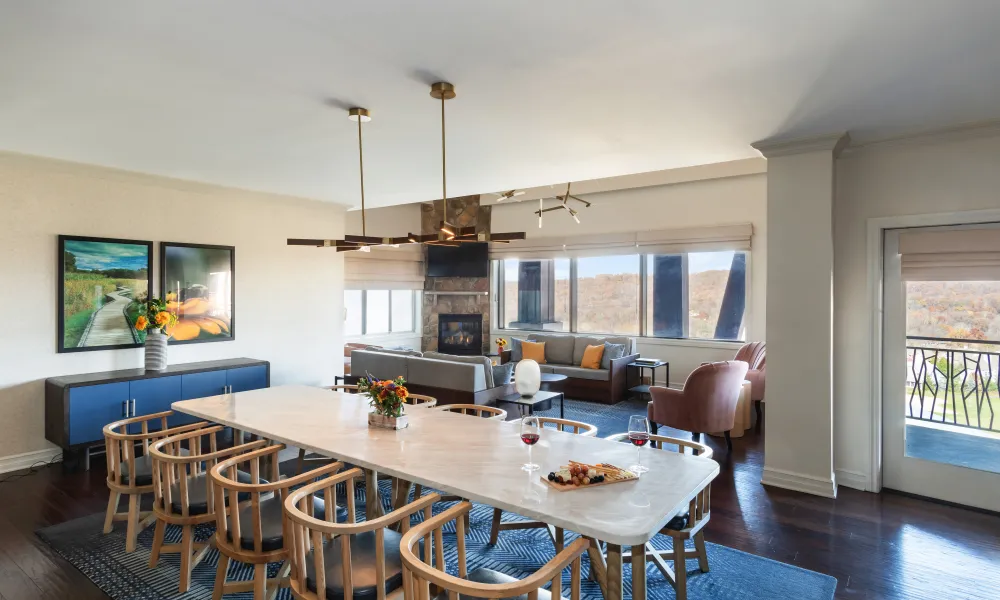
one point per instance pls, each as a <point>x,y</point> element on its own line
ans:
<point>152,318</point>
<point>501,344</point>
<point>386,397</point>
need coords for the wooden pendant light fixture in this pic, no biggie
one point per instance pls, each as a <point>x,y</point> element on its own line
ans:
<point>447,234</point>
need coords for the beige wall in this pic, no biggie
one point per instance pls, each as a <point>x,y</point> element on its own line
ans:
<point>275,284</point>
<point>388,221</point>
<point>949,173</point>
<point>728,200</point>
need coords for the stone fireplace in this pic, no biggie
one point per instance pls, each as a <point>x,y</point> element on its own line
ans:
<point>466,297</point>
<point>460,334</point>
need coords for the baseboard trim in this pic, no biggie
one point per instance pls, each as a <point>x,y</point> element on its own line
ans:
<point>853,479</point>
<point>16,462</point>
<point>800,482</point>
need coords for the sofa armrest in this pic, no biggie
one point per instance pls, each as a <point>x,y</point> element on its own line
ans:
<point>619,376</point>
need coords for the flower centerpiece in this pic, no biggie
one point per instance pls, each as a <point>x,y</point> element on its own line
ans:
<point>152,318</point>
<point>501,344</point>
<point>386,397</point>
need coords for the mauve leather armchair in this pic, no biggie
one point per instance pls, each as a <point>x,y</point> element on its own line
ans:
<point>753,353</point>
<point>707,402</point>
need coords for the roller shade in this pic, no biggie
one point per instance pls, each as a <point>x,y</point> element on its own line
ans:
<point>668,241</point>
<point>953,255</point>
<point>385,269</point>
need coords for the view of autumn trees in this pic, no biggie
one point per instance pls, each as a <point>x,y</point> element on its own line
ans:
<point>609,303</point>
<point>966,310</point>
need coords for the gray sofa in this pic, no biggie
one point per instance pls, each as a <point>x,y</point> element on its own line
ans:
<point>563,355</point>
<point>450,379</point>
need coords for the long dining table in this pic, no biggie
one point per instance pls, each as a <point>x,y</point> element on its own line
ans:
<point>480,459</point>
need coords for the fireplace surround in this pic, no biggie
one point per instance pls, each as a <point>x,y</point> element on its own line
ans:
<point>460,334</point>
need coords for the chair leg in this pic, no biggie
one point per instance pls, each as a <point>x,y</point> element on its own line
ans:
<point>133,522</point>
<point>495,528</point>
<point>301,463</point>
<point>220,577</point>
<point>654,426</point>
<point>187,549</point>
<point>699,545</point>
<point>158,534</point>
<point>109,518</point>
<point>729,442</point>
<point>760,415</point>
<point>418,491</point>
<point>259,582</point>
<point>680,570</point>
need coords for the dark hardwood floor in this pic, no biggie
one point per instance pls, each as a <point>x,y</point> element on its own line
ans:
<point>877,546</point>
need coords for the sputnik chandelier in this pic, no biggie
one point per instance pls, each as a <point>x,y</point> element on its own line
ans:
<point>448,234</point>
<point>563,205</point>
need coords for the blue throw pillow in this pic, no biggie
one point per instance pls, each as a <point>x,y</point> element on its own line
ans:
<point>502,374</point>
<point>611,352</point>
<point>515,349</point>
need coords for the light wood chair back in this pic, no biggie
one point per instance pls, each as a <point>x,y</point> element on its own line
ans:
<point>344,387</point>
<point>129,472</point>
<point>577,427</point>
<point>420,573</point>
<point>310,538</point>
<point>681,528</point>
<point>234,522</point>
<point>420,400</point>
<point>477,410</point>
<point>179,476</point>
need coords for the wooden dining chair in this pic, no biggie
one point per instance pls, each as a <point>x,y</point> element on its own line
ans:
<point>687,526</point>
<point>419,573</point>
<point>476,410</point>
<point>182,491</point>
<point>333,559</point>
<point>131,474</point>
<point>568,426</point>
<point>254,533</point>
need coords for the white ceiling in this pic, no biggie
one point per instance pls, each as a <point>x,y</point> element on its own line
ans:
<point>253,93</point>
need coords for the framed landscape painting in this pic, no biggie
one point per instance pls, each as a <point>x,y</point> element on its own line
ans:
<point>198,283</point>
<point>102,283</point>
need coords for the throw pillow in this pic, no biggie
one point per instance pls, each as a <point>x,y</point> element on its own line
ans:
<point>592,357</point>
<point>533,351</point>
<point>515,349</point>
<point>502,374</point>
<point>611,352</point>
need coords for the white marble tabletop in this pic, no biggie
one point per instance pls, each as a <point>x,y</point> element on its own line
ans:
<point>479,459</point>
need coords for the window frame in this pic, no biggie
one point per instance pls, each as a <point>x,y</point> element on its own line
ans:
<point>414,299</point>
<point>644,305</point>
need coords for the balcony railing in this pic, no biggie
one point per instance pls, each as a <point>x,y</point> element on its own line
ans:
<point>953,386</point>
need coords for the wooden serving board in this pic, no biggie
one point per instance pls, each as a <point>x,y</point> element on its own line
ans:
<point>564,487</point>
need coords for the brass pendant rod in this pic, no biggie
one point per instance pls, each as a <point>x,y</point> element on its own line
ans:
<point>361,164</point>
<point>444,168</point>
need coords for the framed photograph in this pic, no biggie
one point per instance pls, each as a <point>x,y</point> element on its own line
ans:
<point>102,283</point>
<point>198,282</point>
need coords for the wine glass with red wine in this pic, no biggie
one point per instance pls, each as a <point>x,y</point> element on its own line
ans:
<point>530,433</point>
<point>638,434</point>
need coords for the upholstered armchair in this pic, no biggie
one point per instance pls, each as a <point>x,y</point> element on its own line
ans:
<point>707,402</point>
<point>752,353</point>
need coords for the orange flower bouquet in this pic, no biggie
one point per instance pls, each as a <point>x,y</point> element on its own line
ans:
<point>153,315</point>
<point>386,397</point>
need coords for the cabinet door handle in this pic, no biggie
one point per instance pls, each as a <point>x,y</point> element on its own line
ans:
<point>124,408</point>
<point>133,407</point>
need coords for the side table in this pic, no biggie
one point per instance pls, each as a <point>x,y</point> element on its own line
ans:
<point>643,388</point>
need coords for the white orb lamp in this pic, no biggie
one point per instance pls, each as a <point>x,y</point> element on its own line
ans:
<point>527,377</point>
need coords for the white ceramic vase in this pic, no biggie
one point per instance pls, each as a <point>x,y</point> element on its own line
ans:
<point>527,377</point>
<point>156,350</point>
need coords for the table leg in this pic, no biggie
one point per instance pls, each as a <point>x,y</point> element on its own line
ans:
<point>639,572</point>
<point>598,568</point>
<point>614,573</point>
<point>373,503</point>
<point>562,405</point>
<point>401,488</point>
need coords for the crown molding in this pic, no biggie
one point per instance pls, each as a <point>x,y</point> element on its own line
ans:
<point>952,133</point>
<point>773,148</point>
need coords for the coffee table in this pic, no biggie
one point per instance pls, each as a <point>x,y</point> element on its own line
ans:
<point>542,400</point>
<point>553,382</point>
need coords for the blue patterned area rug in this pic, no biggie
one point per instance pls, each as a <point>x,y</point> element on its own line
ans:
<point>734,575</point>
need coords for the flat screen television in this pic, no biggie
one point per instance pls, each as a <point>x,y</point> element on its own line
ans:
<point>466,260</point>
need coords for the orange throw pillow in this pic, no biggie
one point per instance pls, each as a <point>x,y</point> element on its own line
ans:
<point>592,357</point>
<point>534,351</point>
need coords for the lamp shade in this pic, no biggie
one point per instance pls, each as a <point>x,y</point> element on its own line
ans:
<point>527,377</point>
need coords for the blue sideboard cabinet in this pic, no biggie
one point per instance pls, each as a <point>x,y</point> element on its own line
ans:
<point>77,407</point>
